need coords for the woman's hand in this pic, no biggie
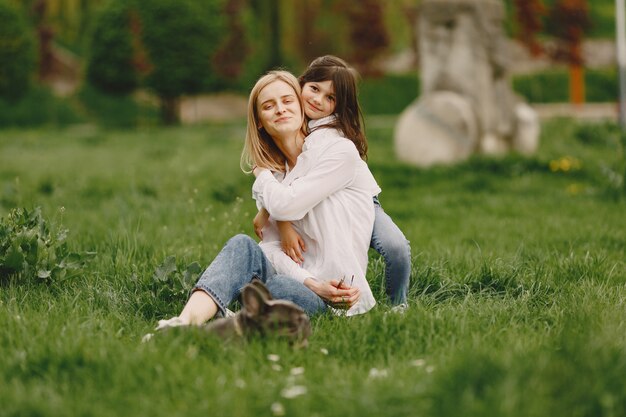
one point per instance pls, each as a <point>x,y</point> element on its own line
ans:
<point>291,242</point>
<point>337,294</point>
<point>259,222</point>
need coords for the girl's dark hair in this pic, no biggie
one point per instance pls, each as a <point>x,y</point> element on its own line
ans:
<point>349,119</point>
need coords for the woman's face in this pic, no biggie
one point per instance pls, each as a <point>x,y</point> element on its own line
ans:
<point>279,110</point>
<point>319,99</point>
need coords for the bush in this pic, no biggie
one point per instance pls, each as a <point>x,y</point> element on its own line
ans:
<point>552,86</point>
<point>389,94</point>
<point>17,53</point>
<point>29,249</point>
<point>38,107</point>
<point>115,111</point>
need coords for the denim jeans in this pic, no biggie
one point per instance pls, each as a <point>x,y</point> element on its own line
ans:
<point>241,260</point>
<point>389,241</point>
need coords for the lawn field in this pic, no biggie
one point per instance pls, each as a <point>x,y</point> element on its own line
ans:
<point>517,304</point>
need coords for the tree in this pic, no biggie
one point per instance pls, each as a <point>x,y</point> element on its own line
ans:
<point>164,45</point>
<point>17,53</point>
<point>231,55</point>
<point>568,20</point>
<point>368,34</point>
<point>528,14</point>
<point>110,62</point>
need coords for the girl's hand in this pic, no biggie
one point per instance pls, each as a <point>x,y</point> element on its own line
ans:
<point>335,294</point>
<point>291,242</point>
<point>259,222</point>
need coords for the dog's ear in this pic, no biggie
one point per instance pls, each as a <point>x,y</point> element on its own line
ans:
<point>262,289</point>
<point>253,301</point>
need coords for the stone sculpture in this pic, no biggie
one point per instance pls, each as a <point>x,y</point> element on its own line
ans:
<point>467,105</point>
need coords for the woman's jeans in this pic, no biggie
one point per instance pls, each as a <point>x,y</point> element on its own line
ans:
<point>242,260</point>
<point>389,241</point>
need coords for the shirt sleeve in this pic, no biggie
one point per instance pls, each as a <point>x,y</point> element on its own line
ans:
<point>334,170</point>
<point>282,263</point>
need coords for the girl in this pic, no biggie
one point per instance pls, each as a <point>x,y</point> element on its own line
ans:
<point>330,100</point>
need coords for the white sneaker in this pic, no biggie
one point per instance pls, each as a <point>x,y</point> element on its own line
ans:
<point>162,325</point>
<point>166,324</point>
<point>400,308</point>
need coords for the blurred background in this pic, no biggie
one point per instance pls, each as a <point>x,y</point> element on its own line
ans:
<point>128,63</point>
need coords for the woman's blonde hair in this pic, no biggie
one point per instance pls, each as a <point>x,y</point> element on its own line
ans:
<point>259,148</point>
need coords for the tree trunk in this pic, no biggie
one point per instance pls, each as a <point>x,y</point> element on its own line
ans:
<point>577,84</point>
<point>170,110</point>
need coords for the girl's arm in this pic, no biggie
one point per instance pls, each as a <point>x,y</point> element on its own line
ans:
<point>259,222</point>
<point>291,242</point>
<point>334,170</point>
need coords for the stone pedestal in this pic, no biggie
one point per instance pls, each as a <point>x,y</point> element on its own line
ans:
<point>466,105</point>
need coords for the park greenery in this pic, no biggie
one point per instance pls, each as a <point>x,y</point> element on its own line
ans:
<point>170,48</point>
<point>516,305</point>
<point>517,301</point>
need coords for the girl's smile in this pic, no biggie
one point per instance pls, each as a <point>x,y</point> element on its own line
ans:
<point>319,98</point>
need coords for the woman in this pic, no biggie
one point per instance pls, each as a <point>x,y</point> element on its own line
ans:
<point>327,182</point>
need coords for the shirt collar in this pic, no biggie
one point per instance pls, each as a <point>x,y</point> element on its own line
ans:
<point>321,122</point>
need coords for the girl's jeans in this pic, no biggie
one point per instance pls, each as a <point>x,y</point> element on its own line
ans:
<point>238,263</point>
<point>389,241</point>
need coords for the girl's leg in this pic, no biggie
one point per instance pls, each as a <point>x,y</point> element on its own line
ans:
<point>389,241</point>
<point>286,288</point>
<point>236,265</point>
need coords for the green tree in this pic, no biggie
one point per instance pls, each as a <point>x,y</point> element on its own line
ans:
<point>110,62</point>
<point>180,38</point>
<point>17,53</point>
<point>164,45</point>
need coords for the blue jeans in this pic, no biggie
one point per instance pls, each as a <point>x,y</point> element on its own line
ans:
<point>241,260</point>
<point>389,241</point>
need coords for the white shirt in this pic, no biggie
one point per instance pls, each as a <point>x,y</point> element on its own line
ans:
<point>328,199</point>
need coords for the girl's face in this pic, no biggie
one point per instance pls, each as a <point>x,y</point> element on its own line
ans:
<point>279,109</point>
<point>319,99</point>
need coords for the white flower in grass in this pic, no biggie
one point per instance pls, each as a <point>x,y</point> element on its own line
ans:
<point>277,367</point>
<point>430,369</point>
<point>240,383</point>
<point>277,409</point>
<point>272,357</point>
<point>418,362</point>
<point>297,371</point>
<point>324,351</point>
<point>293,391</point>
<point>378,373</point>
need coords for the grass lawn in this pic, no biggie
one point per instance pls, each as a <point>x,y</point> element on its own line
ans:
<point>517,300</point>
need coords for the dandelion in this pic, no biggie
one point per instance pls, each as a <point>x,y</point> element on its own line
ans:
<point>554,165</point>
<point>192,352</point>
<point>574,188</point>
<point>377,373</point>
<point>277,409</point>
<point>273,357</point>
<point>297,371</point>
<point>293,391</point>
<point>418,362</point>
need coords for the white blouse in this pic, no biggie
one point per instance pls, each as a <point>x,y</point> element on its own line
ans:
<point>328,199</point>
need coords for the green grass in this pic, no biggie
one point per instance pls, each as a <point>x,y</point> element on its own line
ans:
<point>517,300</point>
